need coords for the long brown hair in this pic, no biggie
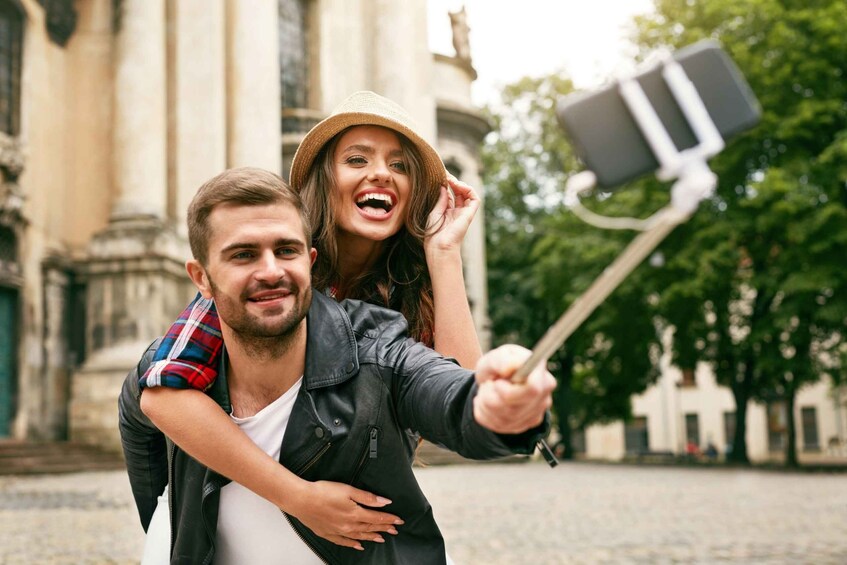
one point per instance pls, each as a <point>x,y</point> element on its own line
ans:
<point>399,279</point>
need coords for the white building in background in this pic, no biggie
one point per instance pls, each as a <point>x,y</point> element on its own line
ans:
<point>113,112</point>
<point>691,407</point>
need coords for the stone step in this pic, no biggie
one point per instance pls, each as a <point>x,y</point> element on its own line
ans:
<point>35,458</point>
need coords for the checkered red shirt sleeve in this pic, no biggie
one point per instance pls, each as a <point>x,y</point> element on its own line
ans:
<point>188,356</point>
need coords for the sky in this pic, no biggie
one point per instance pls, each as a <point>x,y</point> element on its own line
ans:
<point>510,39</point>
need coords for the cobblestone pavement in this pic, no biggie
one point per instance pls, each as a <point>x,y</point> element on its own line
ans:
<point>510,513</point>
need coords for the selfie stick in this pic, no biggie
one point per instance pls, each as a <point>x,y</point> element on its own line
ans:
<point>695,182</point>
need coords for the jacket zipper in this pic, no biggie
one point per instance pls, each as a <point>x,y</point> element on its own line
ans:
<point>299,473</point>
<point>370,452</point>
<point>372,444</point>
<point>171,450</point>
<point>212,538</point>
<point>304,540</point>
<point>314,459</point>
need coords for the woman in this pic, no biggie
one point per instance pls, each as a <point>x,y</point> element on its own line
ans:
<point>388,226</point>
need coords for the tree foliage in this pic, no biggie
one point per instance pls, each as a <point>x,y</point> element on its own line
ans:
<point>760,289</point>
<point>541,258</point>
<point>753,284</point>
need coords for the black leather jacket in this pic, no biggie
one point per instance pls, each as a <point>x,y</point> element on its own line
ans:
<point>367,391</point>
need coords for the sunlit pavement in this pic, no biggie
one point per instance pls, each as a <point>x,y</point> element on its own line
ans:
<point>511,513</point>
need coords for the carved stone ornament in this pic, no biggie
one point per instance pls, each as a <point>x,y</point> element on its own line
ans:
<point>461,33</point>
<point>11,156</point>
<point>11,204</point>
<point>11,166</point>
<point>60,19</point>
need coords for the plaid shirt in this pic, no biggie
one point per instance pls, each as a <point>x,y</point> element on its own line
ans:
<point>188,354</point>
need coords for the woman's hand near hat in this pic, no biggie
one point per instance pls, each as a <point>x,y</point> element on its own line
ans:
<point>450,218</point>
<point>454,333</point>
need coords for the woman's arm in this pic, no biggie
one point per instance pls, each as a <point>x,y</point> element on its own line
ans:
<point>332,510</point>
<point>454,333</point>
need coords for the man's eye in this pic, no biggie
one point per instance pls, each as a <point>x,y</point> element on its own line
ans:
<point>242,255</point>
<point>286,251</point>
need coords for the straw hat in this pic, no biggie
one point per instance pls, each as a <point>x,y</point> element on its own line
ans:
<point>359,109</point>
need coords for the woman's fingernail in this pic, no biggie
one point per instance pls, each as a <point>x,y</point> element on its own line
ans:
<point>379,539</point>
<point>382,500</point>
<point>392,531</point>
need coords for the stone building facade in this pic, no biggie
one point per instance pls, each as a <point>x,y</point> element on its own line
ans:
<point>113,113</point>
<point>690,407</point>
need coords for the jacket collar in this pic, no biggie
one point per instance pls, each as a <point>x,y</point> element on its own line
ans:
<point>330,345</point>
<point>330,350</point>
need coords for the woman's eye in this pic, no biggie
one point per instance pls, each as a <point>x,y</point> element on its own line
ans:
<point>356,160</point>
<point>400,166</point>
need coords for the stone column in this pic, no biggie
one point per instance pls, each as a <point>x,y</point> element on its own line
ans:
<point>134,278</point>
<point>55,382</point>
<point>254,108</point>
<point>340,29</point>
<point>197,96</point>
<point>140,150</point>
<point>402,62</point>
<point>461,129</point>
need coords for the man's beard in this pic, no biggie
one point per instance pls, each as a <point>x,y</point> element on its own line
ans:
<point>259,338</point>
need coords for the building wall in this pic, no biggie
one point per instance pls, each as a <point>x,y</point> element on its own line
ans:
<point>665,404</point>
<point>44,184</point>
<point>125,117</point>
<point>461,129</point>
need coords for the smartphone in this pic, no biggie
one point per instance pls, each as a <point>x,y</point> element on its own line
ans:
<point>608,140</point>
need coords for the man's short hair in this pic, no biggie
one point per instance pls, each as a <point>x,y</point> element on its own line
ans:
<point>244,186</point>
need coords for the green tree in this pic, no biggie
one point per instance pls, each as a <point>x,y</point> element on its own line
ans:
<point>760,288</point>
<point>541,258</point>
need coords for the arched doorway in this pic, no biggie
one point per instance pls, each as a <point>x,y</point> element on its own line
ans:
<point>8,365</point>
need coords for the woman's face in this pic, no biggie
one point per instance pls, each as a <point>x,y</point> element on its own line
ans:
<point>372,188</point>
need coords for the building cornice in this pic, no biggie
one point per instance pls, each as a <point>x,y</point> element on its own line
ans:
<point>462,64</point>
<point>467,120</point>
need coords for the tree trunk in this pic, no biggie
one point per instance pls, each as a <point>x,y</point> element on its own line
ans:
<point>790,430</point>
<point>738,455</point>
<point>562,406</point>
<point>741,394</point>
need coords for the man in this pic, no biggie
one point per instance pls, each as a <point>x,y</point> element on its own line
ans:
<point>331,390</point>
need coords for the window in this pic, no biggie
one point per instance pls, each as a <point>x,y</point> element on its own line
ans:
<point>11,41</point>
<point>293,54</point>
<point>692,429</point>
<point>636,438</point>
<point>8,246</point>
<point>809,420</point>
<point>578,440</point>
<point>454,169</point>
<point>776,426</point>
<point>688,379</point>
<point>8,369</point>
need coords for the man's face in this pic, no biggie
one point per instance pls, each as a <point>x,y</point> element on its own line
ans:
<point>258,269</point>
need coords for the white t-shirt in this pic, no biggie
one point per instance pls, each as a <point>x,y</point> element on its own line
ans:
<point>250,529</point>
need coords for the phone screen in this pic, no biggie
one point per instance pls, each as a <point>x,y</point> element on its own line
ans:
<point>607,138</point>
